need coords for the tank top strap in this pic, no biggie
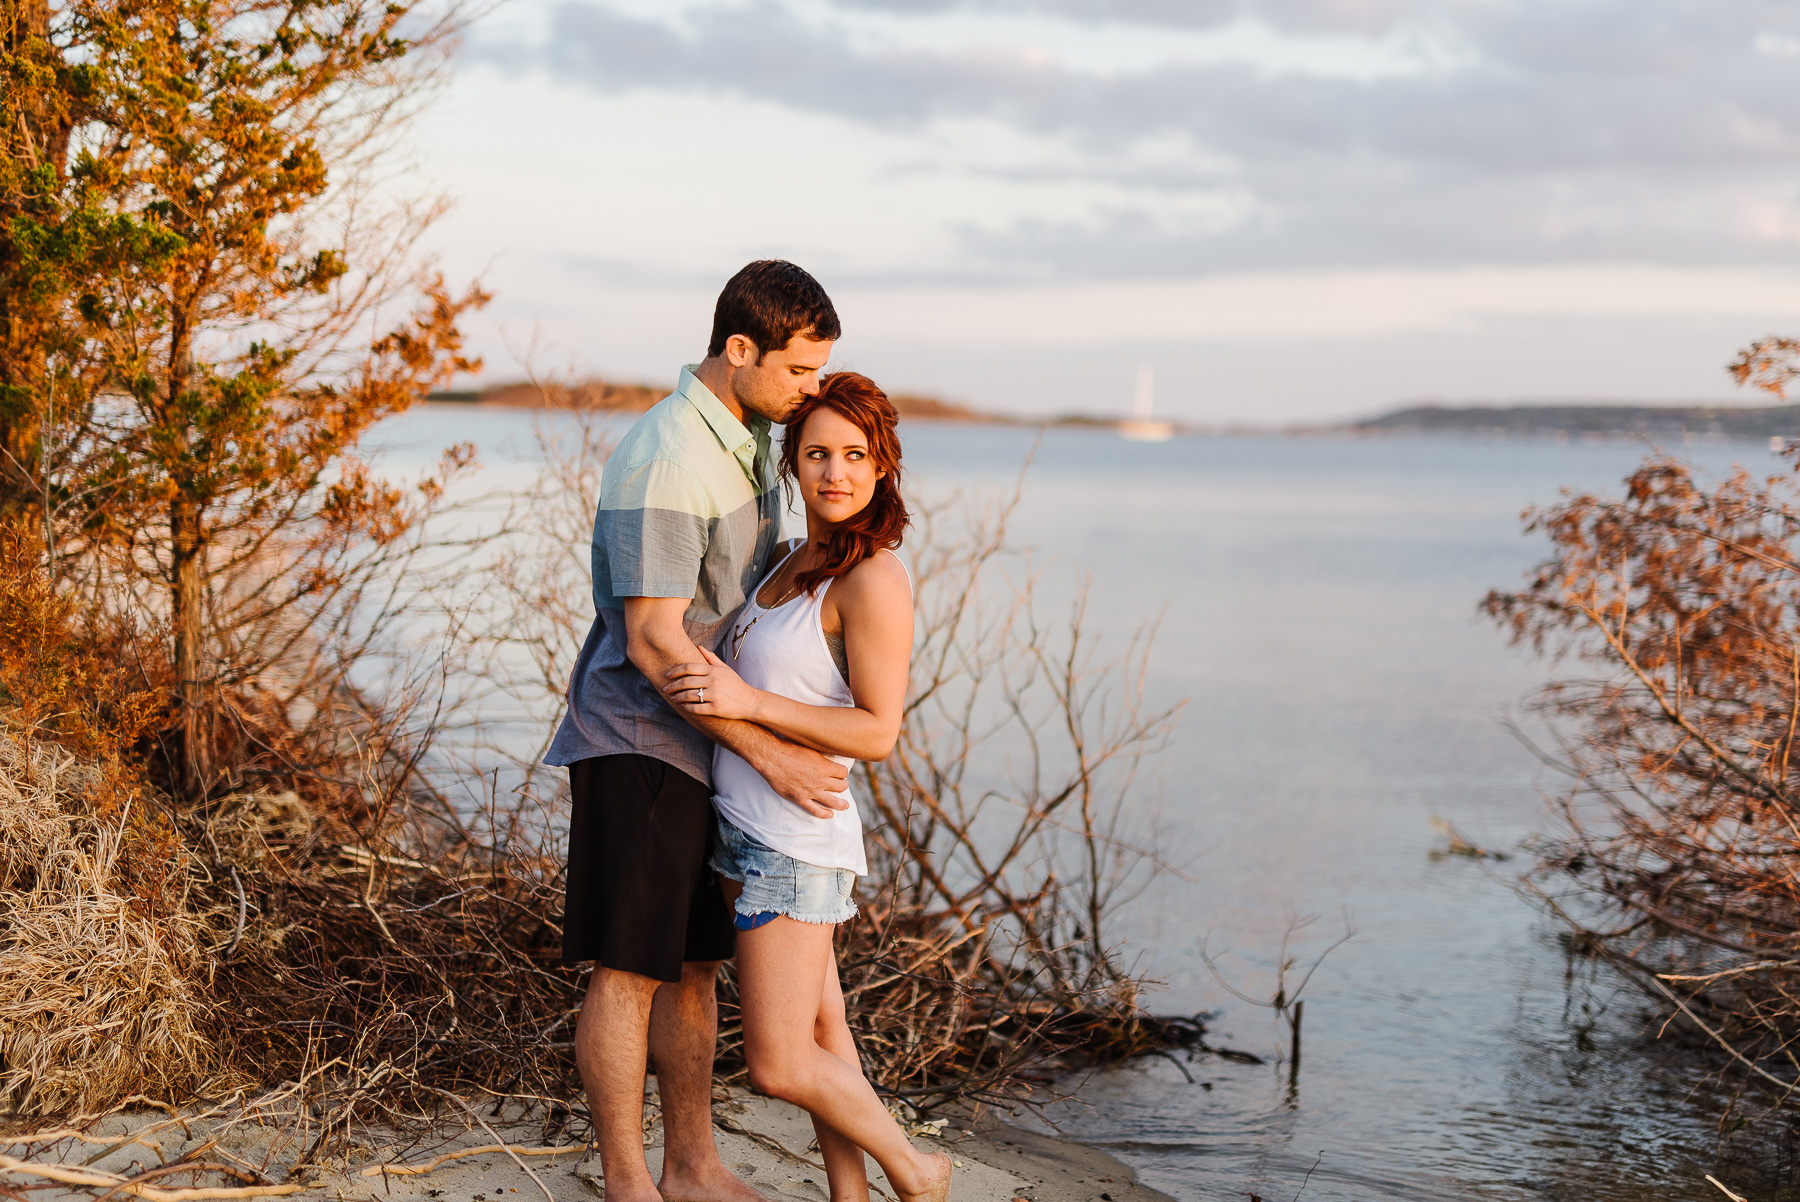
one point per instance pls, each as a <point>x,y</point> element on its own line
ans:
<point>910,587</point>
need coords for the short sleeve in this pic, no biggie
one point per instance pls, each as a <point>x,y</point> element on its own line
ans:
<point>653,524</point>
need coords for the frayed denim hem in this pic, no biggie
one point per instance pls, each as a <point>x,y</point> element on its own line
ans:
<point>776,884</point>
<point>749,922</point>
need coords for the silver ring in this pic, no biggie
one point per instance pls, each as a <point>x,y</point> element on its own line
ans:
<point>699,696</point>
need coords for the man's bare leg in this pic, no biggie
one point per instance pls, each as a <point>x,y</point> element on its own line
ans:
<point>611,1042</point>
<point>684,1028</point>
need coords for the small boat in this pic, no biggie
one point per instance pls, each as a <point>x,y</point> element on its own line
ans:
<point>1142,427</point>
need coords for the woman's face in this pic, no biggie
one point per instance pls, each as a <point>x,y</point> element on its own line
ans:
<point>837,474</point>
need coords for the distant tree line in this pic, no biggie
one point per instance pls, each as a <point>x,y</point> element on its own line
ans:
<point>1759,422</point>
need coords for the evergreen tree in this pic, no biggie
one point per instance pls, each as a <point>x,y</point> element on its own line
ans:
<point>192,258</point>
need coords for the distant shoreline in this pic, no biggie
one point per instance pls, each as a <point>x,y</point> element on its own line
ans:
<point>1710,422</point>
<point>1560,422</point>
<point>609,396</point>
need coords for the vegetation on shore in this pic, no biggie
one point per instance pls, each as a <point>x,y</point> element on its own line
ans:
<point>267,819</point>
<point>1577,420</point>
<point>355,925</point>
<point>1680,602</point>
<point>610,395</point>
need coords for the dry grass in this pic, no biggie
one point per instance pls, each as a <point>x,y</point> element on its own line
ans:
<point>103,995</point>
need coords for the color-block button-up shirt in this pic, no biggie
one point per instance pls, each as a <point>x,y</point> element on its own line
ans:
<point>688,508</point>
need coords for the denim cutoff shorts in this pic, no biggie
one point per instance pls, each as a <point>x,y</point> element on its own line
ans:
<point>776,883</point>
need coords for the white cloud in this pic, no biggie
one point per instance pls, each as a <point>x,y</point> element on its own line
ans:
<point>1112,48</point>
<point>1076,178</point>
<point>1778,45</point>
<point>1277,307</point>
<point>676,184</point>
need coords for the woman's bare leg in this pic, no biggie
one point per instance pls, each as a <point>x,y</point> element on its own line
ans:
<point>845,1168</point>
<point>782,973</point>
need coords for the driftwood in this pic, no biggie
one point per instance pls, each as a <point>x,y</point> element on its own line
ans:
<point>133,1186</point>
<point>414,1170</point>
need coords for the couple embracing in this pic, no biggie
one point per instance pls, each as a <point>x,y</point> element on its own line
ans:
<point>728,683</point>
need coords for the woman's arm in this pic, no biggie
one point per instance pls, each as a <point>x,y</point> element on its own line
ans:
<point>874,601</point>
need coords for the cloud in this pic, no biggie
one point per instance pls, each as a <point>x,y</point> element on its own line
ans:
<point>1202,136</point>
<point>1276,308</point>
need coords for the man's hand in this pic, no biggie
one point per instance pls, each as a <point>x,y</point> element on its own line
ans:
<point>800,774</point>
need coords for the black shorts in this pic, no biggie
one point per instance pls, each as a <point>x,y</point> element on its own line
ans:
<point>641,897</point>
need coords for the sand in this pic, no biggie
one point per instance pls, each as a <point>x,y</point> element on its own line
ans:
<point>766,1142</point>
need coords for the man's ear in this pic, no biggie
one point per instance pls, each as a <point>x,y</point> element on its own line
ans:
<point>739,351</point>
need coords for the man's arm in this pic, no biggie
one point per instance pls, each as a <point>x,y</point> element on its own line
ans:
<point>656,641</point>
<point>874,604</point>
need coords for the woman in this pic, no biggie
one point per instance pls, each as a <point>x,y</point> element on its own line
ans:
<point>819,655</point>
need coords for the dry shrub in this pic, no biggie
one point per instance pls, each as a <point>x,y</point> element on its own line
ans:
<point>286,946</point>
<point>1681,601</point>
<point>106,988</point>
<point>335,926</point>
<point>361,927</point>
<point>1003,832</point>
<point>103,995</point>
<point>412,975</point>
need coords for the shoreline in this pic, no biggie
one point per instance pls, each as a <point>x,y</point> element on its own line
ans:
<point>631,400</point>
<point>766,1142</point>
<point>1341,432</point>
<point>1058,1170</point>
<point>1687,422</point>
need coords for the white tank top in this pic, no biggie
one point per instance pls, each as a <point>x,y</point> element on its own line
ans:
<point>782,650</point>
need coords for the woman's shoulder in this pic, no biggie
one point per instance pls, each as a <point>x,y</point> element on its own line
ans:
<point>880,578</point>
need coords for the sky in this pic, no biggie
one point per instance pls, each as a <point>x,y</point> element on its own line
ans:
<point>1293,210</point>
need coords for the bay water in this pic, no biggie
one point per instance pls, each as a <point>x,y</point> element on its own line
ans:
<point>1318,603</point>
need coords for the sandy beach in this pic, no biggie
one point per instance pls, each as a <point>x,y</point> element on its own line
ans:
<point>766,1142</point>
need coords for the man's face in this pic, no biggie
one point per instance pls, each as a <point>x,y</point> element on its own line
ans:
<point>775,387</point>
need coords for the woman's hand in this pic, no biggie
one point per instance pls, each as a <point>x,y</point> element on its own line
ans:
<point>710,689</point>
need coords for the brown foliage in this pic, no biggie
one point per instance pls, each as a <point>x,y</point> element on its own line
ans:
<point>76,677</point>
<point>1683,601</point>
<point>1769,364</point>
<point>105,992</point>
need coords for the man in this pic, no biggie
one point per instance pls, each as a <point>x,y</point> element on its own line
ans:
<point>688,514</point>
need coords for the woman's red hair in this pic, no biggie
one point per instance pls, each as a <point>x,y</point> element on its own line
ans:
<point>884,519</point>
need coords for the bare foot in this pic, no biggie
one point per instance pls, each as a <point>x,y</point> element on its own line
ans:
<point>939,1189</point>
<point>717,1185</point>
<point>587,1170</point>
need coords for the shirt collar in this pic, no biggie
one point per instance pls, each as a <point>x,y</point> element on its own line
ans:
<point>748,443</point>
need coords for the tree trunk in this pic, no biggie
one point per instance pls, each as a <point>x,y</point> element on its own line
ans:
<point>189,613</point>
<point>187,555</point>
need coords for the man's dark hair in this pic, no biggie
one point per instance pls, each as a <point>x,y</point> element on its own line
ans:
<point>769,302</point>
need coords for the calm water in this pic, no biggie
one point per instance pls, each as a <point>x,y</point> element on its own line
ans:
<point>1319,605</point>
